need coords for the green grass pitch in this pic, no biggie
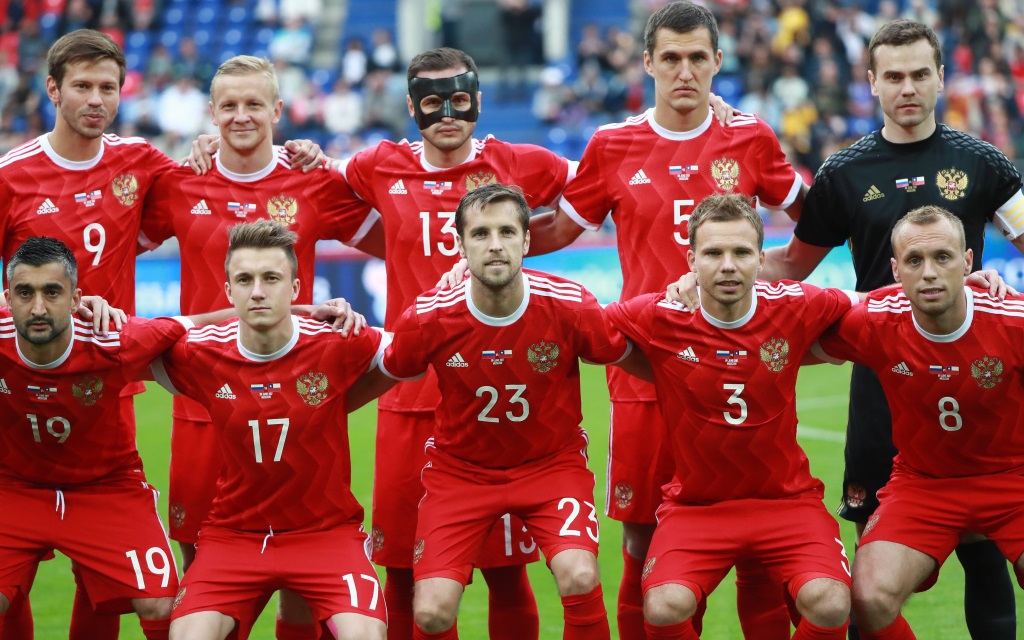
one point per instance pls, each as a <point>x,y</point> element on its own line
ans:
<point>937,614</point>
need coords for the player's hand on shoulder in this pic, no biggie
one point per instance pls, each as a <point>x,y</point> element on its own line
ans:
<point>102,314</point>
<point>200,159</point>
<point>724,112</point>
<point>339,313</point>
<point>684,291</point>
<point>990,278</point>
<point>458,273</point>
<point>305,154</point>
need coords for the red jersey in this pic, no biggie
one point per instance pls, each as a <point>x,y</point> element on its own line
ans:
<point>62,421</point>
<point>727,390</point>
<point>956,401</point>
<point>510,390</point>
<point>199,210</point>
<point>94,207</point>
<point>650,180</point>
<point>281,422</point>
<point>417,202</point>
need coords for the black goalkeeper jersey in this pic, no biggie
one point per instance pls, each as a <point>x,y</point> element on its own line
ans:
<point>861,191</point>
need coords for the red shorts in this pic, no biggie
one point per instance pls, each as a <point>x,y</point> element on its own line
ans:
<point>397,490</point>
<point>111,531</point>
<point>989,505</point>
<point>195,467</point>
<point>639,462</point>
<point>795,540</point>
<point>554,496</point>
<point>330,569</point>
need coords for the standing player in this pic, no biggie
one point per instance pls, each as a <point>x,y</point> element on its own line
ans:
<point>275,386</point>
<point>67,441</point>
<point>857,197</point>
<point>726,382</point>
<point>505,347</point>
<point>949,358</point>
<point>649,172</point>
<point>85,188</point>
<point>249,179</point>
<point>416,187</point>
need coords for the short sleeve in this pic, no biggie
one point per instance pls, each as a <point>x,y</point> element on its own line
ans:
<point>142,341</point>
<point>341,214</point>
<point>849,339</point>
<point>779,182</point>
<point>824,221</point>
<point>172,371</point>
<point>585,199</point>
<point>405,358</point>
<point>600,342</point>
<point>541,174</point>
<point>157,212</point>
<point>635,317</point>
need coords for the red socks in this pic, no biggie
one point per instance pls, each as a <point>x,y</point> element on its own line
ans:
<point>807,631</point>
<point>682,631</point>
<point>450,634</point>
<point>630,612</point>
<point>86,624</point>
<point>155,629</point>
<point>761,605</point>
<point>512,609</point>
<point>398,594</point>
<point>898,630</point>
<point>16,624</point>
<point>585,616</point>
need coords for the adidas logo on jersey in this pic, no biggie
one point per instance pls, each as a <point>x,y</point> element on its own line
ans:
<point>398,188</point>
<point>3,387</point>
<point>47,207</point>
<point>873,194</point>
<point>225,393</point>
<point>903,370</point>
<point>456,361</point>
<point>201,209</point>
<point>688,355</point>
<point>640,178</point>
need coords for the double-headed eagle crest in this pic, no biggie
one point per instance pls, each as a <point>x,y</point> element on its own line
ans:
<point>987,371</point>
<point>543,356</point>
<point>126,189</point>
<point>312,387</point>
<point>479,179</point>
<point>282,209</point>
<point>88,390</point>
<point>726,173</point>
<point>774,354</point>
<point>952,183</point>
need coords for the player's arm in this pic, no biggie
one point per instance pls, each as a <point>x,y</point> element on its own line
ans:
<point>551,231</point>
<point>373,242</point>
<point>795,261</point>
<point>213,317</point>
<point>369,386</point>
<point>636,364</point>
<point>794,210</point>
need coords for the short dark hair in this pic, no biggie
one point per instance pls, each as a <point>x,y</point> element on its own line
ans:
<point>927,215</point>
<point>725,208</point>
<point>489,194</point>
<point>900,33</point>
<point>439,60</point>
<point>680,17</point>
<point>263,234</point>
<point>37,251</point>
<point>83,45</point>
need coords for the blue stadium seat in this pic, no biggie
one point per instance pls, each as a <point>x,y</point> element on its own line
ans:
<point>233,38</point>
<point>174,16</point>
<point>226,54</point>
<point>263,36</point>
<point>205,17</point>
<point>139,41</point>
<point>201,37</point>
<point>48,25</point>
<point>324,79</point>
<point>170,38</point>
<point>238,17</point>
<point>134,61</point>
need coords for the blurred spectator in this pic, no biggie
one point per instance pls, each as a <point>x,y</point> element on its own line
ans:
<point>384,105</point>
<point>192,64</point>
<point>303,10</point>
<point>160,66</point>
<point>32,47</point>
<point>354,62</point>
<point>8,79</point>
<point>383,55</point>
<point>342,109</point>
<point>551,97</point>
<point>77,15</point>
<point>182,108</point>
<point>590,89</point>
<point>790,88</point>
<point>293,42</point>
<point>521,46</point>
<point>592,49</point>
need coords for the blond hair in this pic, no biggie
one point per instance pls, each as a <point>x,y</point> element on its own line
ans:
<point>244,66</point>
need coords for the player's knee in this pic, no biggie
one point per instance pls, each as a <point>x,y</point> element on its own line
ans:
<point>433,617</point>
<point>578,577</point>
<point>5,604</point>
<point>872,599</point>
<point>153,608</point>
<point>637,538</point>
<point>367,629</point>
<point>669,604</point>
<point>825,602</point>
